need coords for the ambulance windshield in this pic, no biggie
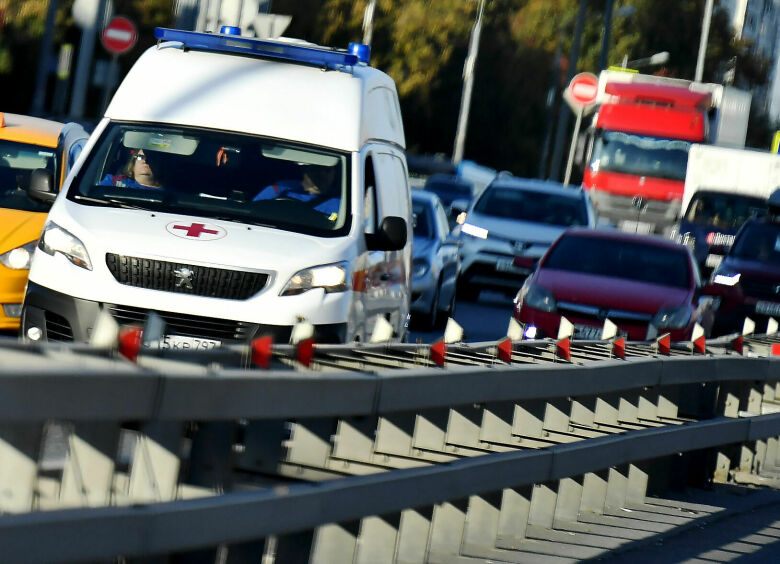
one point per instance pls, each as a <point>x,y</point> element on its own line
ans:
<point>219,175</point>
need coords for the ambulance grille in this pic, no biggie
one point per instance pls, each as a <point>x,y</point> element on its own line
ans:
<point>185,278</point>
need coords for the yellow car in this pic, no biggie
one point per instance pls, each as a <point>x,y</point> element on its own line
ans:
<point>26,144</point>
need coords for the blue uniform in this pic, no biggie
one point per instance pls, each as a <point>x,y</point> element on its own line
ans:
<point>124,181</point>
<point>294,189</point>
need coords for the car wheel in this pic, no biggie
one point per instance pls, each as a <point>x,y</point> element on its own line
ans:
<point>468,292</point>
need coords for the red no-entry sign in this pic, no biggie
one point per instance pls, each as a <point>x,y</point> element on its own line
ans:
<point>583,89</point>
<point>119,35</point>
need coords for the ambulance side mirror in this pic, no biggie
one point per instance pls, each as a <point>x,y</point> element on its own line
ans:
<point>41,186</point>
<point>391,235</point>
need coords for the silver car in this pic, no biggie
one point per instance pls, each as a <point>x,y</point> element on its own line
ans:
<point>510,226</point>
<point>435,263</point>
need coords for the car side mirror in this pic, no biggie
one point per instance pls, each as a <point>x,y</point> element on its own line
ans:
<point>391,235</point>
<point>41,186</point>
<point>458,207</point>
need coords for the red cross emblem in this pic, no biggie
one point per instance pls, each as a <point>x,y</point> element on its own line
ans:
<point>195,229</point>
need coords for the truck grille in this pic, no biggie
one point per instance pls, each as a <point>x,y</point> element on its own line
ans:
<point>187,325</point>
<point>185,278</point>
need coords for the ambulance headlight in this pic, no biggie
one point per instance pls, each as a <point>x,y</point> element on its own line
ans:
<point>330,277</point>
<point>55,239</point>
<point>19,258</point>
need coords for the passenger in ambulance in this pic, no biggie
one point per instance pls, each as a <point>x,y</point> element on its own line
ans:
<point>317,187</point>
<point>137,172</point>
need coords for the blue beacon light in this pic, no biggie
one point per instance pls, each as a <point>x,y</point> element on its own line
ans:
<point>230,30</point>
<point>362,51</point>
<point>230,40</point>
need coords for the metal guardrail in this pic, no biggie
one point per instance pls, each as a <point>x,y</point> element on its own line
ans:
<point>370,454</point>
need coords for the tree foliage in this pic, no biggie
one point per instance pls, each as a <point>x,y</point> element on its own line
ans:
<point>523,56</point>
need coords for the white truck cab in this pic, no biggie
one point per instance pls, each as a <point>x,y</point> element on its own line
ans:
<point>236,187</point>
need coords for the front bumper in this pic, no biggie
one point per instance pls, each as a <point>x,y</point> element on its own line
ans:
<point>65,318</point>
<point>491,265</point>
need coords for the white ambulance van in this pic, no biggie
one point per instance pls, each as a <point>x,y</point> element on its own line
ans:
<point>235,187</point>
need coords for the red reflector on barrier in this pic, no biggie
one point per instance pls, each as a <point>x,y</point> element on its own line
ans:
<point>129,342</point>
<point>619,347</point>
<point>739,344</point>
<point>438,351</point>
<point>664,344</point>
<point>776,349</point>
<point>305,351</point>
<point>700,345</point>
<point>563,348</point>
<point>262,348</point>
<point>505,350</point>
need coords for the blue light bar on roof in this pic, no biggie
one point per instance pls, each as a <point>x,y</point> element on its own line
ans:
<point>263,48</point>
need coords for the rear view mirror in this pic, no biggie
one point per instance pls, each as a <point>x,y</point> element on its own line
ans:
<point>391,235</point>
<point>41,186</point>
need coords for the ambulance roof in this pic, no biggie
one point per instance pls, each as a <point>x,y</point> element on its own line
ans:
<point>342,107</point>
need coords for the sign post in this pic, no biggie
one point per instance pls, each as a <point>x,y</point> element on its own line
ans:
<point>581,93</point>
<point>118,37</point>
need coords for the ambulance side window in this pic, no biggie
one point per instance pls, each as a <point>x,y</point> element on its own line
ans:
<point>369,198</point>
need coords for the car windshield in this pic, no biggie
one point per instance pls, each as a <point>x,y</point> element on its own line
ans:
<point>218,175</point>
<point>531,205</point>
<point>448,192</point>
<point>422,220</point>
<point>17,161</point>
<point>758,242</point>
<point>627,260</point>
<point>722,210</point>
<point>640,155</point>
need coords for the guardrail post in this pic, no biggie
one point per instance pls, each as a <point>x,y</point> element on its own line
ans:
<point>446,534</point>
<point>88,476</point>
<point>19,448</point>
<point>377,539</point>
<point>513,519</point>
<point>154,473</point>
<point>335,543</point>
<point>481,527</point>
<point>413,532</point>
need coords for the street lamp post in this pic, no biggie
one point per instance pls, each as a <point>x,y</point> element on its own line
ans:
<point>468,85</point>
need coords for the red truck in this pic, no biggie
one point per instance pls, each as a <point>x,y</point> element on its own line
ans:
<point>638,141</point>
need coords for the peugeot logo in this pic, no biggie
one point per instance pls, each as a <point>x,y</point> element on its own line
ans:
<point>184,277</point>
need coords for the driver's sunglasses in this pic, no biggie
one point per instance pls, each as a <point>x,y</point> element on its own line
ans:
<point>143,157</point>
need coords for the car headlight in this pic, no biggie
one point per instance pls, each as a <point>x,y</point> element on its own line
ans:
<point>55,239</point>
<point>20,257</point>
<point>330,277</point>
<point>419,267</point>
<point>672,318</point>
<point>541,299</point>
<point>474,231</point>
<point>726,277</point>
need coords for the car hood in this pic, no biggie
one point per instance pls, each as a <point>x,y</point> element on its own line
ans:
<point>149,234</point>
<point>516,230</point>
<point>752,268</point>
<point>613,293</point>
<point>19,228</point>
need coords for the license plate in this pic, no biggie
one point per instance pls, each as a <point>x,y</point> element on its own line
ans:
<point>180,342</point>
<point>587,332</point>
<point>636,226</point>
<point>768,308</point>
<point>713,261</point>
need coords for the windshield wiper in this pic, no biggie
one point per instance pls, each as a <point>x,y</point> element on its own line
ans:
<point>111,202</point>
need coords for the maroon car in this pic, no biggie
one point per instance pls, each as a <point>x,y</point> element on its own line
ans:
<point>635,281</point>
